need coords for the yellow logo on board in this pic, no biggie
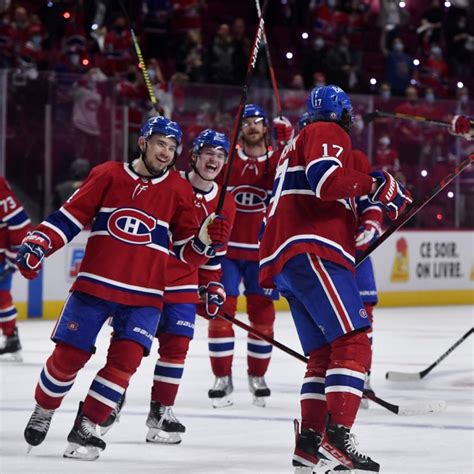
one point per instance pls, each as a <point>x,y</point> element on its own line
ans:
<point>400,267</point>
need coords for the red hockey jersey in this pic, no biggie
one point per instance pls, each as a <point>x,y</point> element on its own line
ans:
<point>312,207</point>
<point>14,223</point>
<point>250,183</point>
<point>128,247</point>
<point>182,280</point>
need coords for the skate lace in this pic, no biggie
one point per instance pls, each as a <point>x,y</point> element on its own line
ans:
<point>88,427</point>
<point>41,418</point>
<point>169,415</point>
<point>351,444</point>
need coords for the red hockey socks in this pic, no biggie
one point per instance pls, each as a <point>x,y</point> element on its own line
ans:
<point>345,377</point>
<point>8,313</point>
<point>313,398</point>
<point>110,383</point>
<point>262,317</point>
<point>169,367</point>
<point>221,340</point>
<point>58,375</point>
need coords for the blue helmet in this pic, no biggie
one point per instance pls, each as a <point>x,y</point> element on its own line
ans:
<point>252,110</point>
<point>161,125</point>
<point>328,103</point>
<point>304,120</point>
<point>211,138</point>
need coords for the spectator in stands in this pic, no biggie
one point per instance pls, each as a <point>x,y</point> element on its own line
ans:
<point>242,45</point>
<point>359,137</point>
<point>20,26</point>
<point>386,157</point>
<point>341,65</point>
<point>314,60</point>
<point>463,106</point>
<point>157,27</point>
<point>221,68</point>
<point>430,28</point>
<point>78,171</point>
<point>398,68</point>
<point>385,91</point>
<point>187,15</point>
<point>117,47</point>
<point>7,44</point>
<point>190,57</point>
<point>460,47</point>
<point>409,134</point>
<point>434,71</point>
<point>392,17</point>
<point>431,108</point>
<point>160,88</point>
<point>87,102</point>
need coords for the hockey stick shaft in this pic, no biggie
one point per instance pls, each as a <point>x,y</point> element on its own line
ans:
<point>367,393</point>
<point>141,62</point>
<point>235,132</point>
<point>400,376</point>
<point>270,64</point>
<point>412,118</point>
<point>415,208</point>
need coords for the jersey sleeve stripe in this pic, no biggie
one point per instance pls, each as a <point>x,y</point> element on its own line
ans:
<point>12,214</point>
<point>77,223</point>
<point>57,230</point>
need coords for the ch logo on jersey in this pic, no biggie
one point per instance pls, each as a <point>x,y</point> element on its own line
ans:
<point>131,226</point>
<point>249,198</point>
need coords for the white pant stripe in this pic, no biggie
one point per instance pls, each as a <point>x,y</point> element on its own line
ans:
<point>160,378</point>
<point>313,396</point>
<point>100,398</point>
<point>257,355</point>
<point>344,388</point>
<point>221,353</point>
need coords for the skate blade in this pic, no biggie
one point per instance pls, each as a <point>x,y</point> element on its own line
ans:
<point>11,357</point>
<point>157,436</point>
<point>303,470</point>
<point>82,453</point>
<point>29,448</point>
<point>326,466</point>
<point>258,401</point>
<point>222,402</point>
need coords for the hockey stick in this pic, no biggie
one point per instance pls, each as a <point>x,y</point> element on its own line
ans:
<point>243,98</point>
<point>270,64</point>
<point>408,410</point>
<point>414,209</point>
<point>402,376</point>
<point>141,62</point>
<point>369,117</point>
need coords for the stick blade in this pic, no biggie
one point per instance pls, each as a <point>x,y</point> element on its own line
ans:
<point>402,376</point>
<point>424,408</point>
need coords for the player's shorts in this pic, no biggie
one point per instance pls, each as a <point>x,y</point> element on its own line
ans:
<point>5,278</point>
<point>366,282</point>
<point>324,300</point>
<point>178,318</point>
<point>83,316</point>
<point>234,271</point>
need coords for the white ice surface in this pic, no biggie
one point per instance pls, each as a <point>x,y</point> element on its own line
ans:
<point>246,439</point>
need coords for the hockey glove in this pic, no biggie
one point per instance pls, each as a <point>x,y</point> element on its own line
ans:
<point>31,253</point>
<point>282,129</point>
<point>390,193</point>
<point>461,126</point>
<point>213,297</point>
<point>213,233</point>
<point>368,232</point>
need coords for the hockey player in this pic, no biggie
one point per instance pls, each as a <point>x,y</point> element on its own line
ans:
<point>136,207</point>
<point>307,252</point>
<point>183,285</point>
<point>370,220</point>
<point>250,182</point>
<point>14,224</point>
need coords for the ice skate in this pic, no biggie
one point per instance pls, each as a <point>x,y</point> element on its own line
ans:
<point>220,393</point>
<point>38,426</point>
<point>339,444</point>
<point>11,348</point>
<point>305,457</point>
<point>163,426</point>
<point>258,388</point>
<point>364,403</point>
<point>84,442</point>
<point>113,418</point>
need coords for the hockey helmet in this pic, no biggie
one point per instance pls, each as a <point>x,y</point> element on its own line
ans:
<point>211,138</point>
<point>304,120</point>
<point>330,103</point>
<point>161,125</point>
<point>252,110</point>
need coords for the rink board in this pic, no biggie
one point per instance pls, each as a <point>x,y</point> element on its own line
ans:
<point>412,268</point>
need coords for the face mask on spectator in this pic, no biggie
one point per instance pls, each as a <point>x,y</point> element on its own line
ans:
<point>74,59</point>
<point>318,43</point>
<point>430,97</point>
<point>386,94</point>
<point>398,46</point>
<point>384,141</point>
<point>37,40</point>
<point>436,51</point>
<point>151,74</point>
<point>464,99</point>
